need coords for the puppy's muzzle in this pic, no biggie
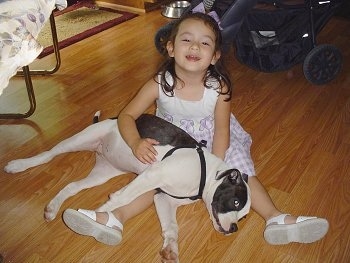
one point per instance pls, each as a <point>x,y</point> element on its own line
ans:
<point>232,229</point>
<point>233,226</point>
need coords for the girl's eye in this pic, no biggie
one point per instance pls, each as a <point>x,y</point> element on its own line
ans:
<point>205,43</point>
<point>186,40</point>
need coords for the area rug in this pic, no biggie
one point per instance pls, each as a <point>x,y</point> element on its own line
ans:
<point>78,22</point>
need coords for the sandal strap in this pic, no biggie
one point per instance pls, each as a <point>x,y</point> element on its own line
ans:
<point>88,213</point>
<point>304,218</point>
<point>113,221</point>
<point>279,220</point>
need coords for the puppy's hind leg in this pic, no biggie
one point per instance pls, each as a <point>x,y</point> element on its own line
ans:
<point>101,173</point>
<point>87,139</point>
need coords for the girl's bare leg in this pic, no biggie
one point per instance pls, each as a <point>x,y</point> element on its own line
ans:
<point>262,202</point>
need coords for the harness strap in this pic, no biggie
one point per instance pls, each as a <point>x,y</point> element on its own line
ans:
<point>203,170</point>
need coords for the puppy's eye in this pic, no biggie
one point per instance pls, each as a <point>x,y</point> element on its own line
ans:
<point>236,203</point>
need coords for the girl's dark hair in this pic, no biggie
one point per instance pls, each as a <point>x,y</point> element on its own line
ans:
<point>217,71</point>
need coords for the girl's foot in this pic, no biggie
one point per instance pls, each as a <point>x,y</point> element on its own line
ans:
<point>84,223</point>
<point>278,231</point>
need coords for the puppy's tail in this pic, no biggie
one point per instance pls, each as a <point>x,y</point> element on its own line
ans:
<point>96,117</point>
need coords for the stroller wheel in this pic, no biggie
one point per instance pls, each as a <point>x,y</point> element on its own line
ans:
<point>161,36</point>
<point>322,64</point>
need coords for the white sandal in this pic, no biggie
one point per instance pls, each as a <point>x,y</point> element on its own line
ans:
<point>84,223</point>
<point>305,230</point>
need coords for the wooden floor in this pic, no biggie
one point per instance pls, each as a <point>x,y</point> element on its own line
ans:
<point>301,149</point>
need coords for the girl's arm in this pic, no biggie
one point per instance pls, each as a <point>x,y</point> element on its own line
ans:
<point>142,148</point>
<point>221,139</point>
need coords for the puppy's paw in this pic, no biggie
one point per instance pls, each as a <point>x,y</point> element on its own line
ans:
<point>168,255</point>
<point>50,211</point>
<point>15,166</point>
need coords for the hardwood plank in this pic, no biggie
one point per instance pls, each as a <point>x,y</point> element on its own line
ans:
<point>301,149</point>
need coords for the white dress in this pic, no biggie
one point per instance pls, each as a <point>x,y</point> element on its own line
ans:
<point>197,119</point>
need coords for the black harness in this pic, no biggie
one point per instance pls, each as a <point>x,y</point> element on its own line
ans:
<point>198,147</point>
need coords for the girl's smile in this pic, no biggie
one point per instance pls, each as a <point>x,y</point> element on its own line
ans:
<point>192,58</point>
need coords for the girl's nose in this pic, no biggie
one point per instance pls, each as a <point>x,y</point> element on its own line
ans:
<point>194,46</point>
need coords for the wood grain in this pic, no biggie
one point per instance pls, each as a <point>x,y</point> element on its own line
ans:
<point>301,149</point>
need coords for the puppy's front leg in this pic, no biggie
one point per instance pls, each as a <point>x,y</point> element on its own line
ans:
<point>146,181</point>
<point>166,207</point>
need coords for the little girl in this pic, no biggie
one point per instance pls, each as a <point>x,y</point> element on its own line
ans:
<point>193,91</point>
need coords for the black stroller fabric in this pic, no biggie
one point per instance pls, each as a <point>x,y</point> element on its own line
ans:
<point>231,13</point>
<point>275,39</point>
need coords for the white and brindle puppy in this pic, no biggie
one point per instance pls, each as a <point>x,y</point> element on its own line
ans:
<point>184,173</point>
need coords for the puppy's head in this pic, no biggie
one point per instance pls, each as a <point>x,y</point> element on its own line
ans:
<point>230,200</point>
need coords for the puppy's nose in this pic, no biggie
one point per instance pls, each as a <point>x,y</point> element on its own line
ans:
<point>233,228</point>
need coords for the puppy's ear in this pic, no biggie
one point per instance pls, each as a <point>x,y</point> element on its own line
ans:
<point>233,175</point>
<point>245,177</point>
<point>220,174</point>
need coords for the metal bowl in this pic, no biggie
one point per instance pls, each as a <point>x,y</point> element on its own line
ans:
<point>175,9</point>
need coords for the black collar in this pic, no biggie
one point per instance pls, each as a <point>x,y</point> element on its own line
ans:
<point>198,147</point>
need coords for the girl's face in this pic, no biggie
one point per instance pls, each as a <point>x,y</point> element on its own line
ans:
<point>194,46</point>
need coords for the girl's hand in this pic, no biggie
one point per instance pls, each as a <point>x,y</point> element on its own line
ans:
<point>144,151</point>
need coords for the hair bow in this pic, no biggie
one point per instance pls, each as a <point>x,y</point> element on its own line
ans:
<point>200,9</point>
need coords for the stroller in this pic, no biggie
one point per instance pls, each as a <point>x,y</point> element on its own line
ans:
<point>274,35</point>
<point>277,35</point>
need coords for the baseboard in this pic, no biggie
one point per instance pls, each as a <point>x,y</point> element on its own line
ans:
<point>121,7</point>
<point>150,5</point>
